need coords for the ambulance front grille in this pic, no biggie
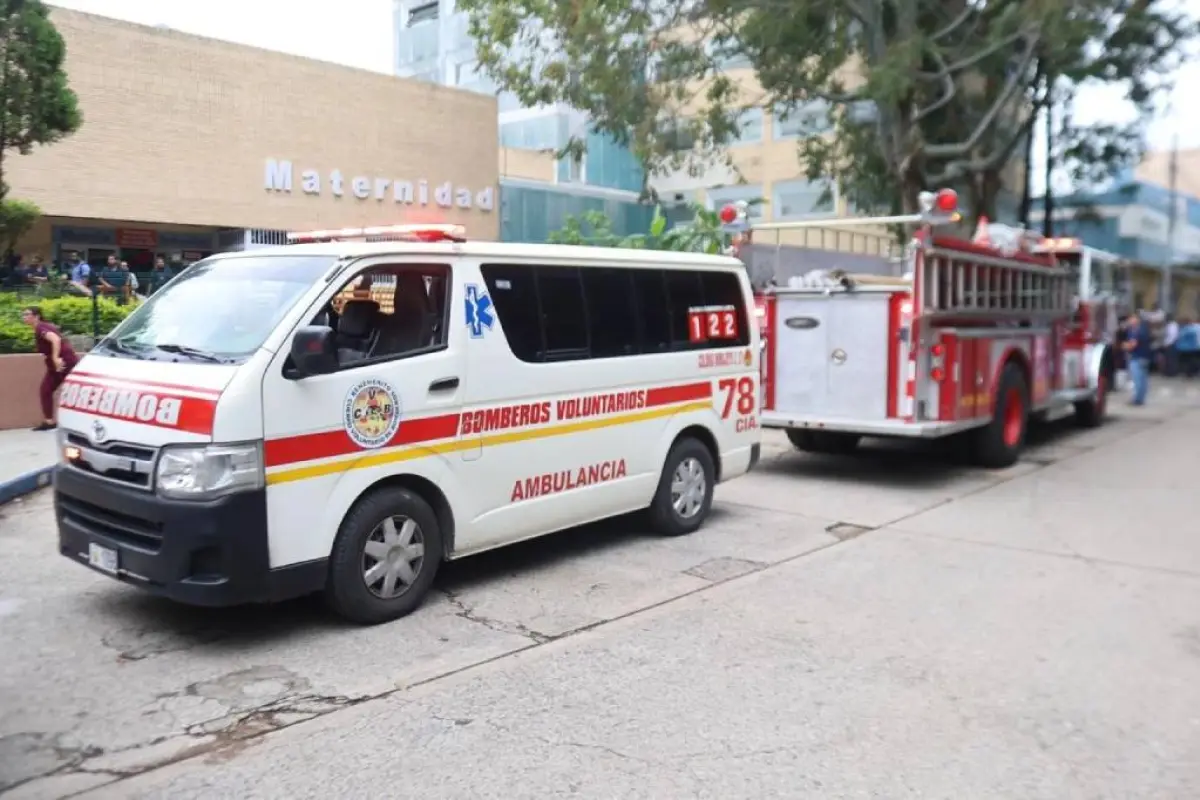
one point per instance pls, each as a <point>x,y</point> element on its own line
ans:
<point>119,462</point>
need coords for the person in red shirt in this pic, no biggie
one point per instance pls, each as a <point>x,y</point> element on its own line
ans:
<point>60,360</point>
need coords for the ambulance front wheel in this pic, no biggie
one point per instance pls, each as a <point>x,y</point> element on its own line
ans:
<point>385,557</point>
<point>828,442</point>
<point>685,489</point>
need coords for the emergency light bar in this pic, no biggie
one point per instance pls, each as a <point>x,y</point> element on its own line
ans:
<point>1060,243</point>
<point>402,233</point>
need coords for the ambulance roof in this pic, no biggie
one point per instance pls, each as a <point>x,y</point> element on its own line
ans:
<point>499,251</point>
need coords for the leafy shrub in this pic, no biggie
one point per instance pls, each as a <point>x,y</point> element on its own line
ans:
<point>72,315</point>
<point>15,336</point>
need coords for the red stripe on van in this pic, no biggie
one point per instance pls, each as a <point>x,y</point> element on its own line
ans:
<point>328,444</point>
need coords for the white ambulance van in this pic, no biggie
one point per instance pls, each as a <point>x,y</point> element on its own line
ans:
<point>342,416</point>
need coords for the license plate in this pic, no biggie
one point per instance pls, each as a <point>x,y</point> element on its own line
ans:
<point>103,558</point>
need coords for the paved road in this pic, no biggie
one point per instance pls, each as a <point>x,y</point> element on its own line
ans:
<point>884,625</point>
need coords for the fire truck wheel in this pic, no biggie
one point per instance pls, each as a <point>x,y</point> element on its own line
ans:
<point>1000,442</point>
<point>685,490</point>
<point>824,441</point>
<point>385,557</point>
<point>1090,413</point>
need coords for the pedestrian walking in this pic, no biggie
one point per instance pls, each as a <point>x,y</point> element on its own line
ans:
<point>1139,345</point>
<point>60,360</point>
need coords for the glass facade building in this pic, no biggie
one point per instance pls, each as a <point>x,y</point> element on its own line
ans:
<point>432,44</point>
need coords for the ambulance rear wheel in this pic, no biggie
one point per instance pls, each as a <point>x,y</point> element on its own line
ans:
<point>685,490</point>
<point>1000,442</point>
<point>385,557</point>
<point>827,442</point>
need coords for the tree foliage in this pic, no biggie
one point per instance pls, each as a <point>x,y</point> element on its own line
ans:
<point>918,92</point>
<point>703,235</point>
<point>36,104</point>
<point>17,218</point>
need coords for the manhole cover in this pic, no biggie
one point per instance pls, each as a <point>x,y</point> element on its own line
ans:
<point>722,569</point>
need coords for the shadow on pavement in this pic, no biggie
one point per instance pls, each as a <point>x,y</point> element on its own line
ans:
<point>146,625</point>
<point>904,463</point>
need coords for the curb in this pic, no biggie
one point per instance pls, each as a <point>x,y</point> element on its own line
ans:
<point>26,483</point>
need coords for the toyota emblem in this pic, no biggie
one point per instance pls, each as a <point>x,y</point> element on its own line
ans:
<point>99,434</point>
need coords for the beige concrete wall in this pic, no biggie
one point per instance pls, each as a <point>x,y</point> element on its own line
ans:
<point>178,129</point>
<point>1156,168</point>
<point>532,165</point>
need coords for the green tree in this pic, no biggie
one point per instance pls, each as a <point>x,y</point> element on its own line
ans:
<point>17,218</point>
<point>919,93</point>
<point>704,234</point>
<point>36,104</point>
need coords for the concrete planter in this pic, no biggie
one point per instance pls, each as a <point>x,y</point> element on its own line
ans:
<point>22,374</point>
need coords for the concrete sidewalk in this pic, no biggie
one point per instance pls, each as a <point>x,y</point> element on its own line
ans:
<point>26,460</point>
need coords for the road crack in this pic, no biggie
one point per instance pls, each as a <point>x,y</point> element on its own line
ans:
<point>461,609</point>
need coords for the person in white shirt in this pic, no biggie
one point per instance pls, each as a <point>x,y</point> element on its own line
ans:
<point>1170,354</point>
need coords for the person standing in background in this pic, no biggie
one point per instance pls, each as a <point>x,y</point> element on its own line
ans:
<point>81,273</point>
<point>1187,348</point>
<point>131,280</point>
<point>1170,354</point>
<point>60,360</point>
<point>159,276</point>
<point>1139,345</point>
<point>114,283</point>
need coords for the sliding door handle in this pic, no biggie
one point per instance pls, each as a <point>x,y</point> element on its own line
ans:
<point>444,385</point>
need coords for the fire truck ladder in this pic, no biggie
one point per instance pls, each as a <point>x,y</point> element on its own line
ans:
<point>844,235</point>
<point>960,284</point>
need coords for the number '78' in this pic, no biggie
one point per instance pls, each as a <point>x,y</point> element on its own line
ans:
<point>743,390</point>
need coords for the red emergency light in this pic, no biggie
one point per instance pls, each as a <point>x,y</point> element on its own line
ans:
<point>946,201</point>
<point>403,233</point>
<point>729,214</point>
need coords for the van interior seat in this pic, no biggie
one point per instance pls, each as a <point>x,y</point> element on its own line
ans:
<point>412,325</point>
<point>358,330</point>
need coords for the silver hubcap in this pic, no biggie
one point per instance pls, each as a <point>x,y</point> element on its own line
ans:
<point>688,487</point>
<point>392,557</point>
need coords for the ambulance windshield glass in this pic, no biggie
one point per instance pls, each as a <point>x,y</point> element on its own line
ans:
<point>218,311</point>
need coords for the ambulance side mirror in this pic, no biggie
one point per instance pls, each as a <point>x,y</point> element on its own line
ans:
<point>313,352</point>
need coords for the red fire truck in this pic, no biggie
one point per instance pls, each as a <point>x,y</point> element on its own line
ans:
<point>972,340</point>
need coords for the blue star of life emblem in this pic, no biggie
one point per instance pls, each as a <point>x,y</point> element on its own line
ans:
<point>479,311</point>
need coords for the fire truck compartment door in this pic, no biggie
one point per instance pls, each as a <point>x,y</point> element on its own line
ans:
<point>831,358</point>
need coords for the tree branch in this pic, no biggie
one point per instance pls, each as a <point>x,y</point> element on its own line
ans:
<point>970,61</point>
<point>1014,82</point>
<point>949,90</point>
<point>954,24</point>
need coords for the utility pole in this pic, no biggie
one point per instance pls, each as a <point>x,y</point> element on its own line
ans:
<point>1172,219</point>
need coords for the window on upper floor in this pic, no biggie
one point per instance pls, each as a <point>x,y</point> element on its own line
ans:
<point>725,55</point>
<point>801,199</point>
<point>807,119</point>
<point>677,134</point>
<point>750,127</point>
<point>426,12</point>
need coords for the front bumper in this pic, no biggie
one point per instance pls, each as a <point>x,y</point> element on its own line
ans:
<point>211,553</point>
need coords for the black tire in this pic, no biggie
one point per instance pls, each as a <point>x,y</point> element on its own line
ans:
<point>829,442</point>
<point>990,446</point>
<point>1090,413</point>
<point>664,517</point>
<point>347,592</point>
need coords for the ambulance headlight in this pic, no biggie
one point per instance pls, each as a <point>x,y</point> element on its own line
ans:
<point>202,472</point>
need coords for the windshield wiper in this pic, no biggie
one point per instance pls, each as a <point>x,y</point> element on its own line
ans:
<point>118,346</point>
<point>191,352</point>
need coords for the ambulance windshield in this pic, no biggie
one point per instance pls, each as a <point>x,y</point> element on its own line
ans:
<point>219,310</point>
